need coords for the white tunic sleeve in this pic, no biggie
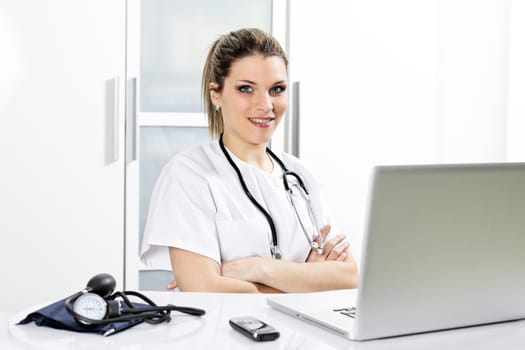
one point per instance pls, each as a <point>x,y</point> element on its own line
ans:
<point>182,214</point>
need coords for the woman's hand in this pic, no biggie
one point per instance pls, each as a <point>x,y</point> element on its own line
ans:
<point>336,249</point>
<point>338,270</point>
<point>246,269</point>
<point>171,285</point>
<point>249,270</point>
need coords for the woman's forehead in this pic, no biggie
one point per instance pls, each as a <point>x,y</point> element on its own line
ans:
<point>258,68</point>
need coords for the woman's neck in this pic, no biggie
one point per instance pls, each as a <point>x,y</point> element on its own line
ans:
<point>254,154</point>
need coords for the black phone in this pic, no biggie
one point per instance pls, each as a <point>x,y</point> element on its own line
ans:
<point>254,328</point>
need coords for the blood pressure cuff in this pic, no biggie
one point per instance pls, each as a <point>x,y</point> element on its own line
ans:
<point>56,316</point>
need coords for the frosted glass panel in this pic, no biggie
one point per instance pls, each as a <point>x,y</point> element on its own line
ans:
<point>157,145</point>
<point>175,38</point>
<point>154,280</point>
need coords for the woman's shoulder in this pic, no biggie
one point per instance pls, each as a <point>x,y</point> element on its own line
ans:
<point>196,161</point>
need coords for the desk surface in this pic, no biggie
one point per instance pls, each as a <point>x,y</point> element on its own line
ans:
<point>212,331</point>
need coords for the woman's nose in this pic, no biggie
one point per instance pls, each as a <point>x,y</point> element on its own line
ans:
<point>264,102</point>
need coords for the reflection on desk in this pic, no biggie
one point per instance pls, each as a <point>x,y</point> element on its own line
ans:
<point>212,331</point>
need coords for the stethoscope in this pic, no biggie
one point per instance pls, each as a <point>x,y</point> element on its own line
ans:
<point>289,187</point>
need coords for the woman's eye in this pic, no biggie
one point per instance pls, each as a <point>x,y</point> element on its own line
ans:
<point>277,89</point>
<point>245,88</point>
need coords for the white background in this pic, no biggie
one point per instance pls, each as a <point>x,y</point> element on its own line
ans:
<point>405,82</point>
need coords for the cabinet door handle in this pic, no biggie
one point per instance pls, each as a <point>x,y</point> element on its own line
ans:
<point>116,96</point>
<point>131,118</point>
<point>295,127</point>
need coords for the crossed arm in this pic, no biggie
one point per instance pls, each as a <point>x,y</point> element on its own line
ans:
<point>334,269</point>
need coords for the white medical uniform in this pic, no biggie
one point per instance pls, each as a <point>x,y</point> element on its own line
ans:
<point>198,205</point>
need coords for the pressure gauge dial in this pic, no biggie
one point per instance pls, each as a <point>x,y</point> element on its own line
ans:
<point>90,305</point>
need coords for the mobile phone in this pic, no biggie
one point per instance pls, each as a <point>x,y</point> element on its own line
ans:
<point>254,328</point>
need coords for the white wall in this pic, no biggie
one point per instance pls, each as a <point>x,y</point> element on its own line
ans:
<point>516,88</point>
<point>406,81</point>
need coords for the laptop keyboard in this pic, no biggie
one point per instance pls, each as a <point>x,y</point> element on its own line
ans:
<point>347,311</point>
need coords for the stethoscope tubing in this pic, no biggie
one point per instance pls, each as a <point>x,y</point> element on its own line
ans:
<point>275,244</point>
<point>248,193</point>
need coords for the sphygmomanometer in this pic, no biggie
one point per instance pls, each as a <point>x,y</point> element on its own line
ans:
<point>98,309</point>
<point>98,304</point>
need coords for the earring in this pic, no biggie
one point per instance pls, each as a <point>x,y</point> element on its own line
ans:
<point>217,107</point>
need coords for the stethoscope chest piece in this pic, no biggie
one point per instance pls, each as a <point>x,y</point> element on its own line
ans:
<point>315,246</point>
<point>276,253</point>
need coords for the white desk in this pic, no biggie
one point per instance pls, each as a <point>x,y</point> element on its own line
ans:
<point>212,331</point>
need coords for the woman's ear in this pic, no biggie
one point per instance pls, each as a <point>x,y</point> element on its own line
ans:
<point>215,95</point>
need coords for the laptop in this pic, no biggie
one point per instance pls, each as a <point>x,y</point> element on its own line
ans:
<point>444,248</point>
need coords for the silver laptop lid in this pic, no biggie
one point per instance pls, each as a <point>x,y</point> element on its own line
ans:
<point>445,247</point>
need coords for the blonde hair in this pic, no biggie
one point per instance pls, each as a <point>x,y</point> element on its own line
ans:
<point>223,52</point>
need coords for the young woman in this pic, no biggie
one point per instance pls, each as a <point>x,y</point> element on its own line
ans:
<point>220,213</point>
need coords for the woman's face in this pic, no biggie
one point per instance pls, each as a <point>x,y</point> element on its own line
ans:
<point>253,99</point>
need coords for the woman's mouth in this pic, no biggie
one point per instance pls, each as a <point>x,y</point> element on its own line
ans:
<point>262,122</point>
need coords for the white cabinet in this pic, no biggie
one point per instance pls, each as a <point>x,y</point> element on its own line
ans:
<point>61,146</point>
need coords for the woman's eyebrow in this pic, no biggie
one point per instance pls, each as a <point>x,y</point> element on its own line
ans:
<point>254,83</point>
<point>247,81</point>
